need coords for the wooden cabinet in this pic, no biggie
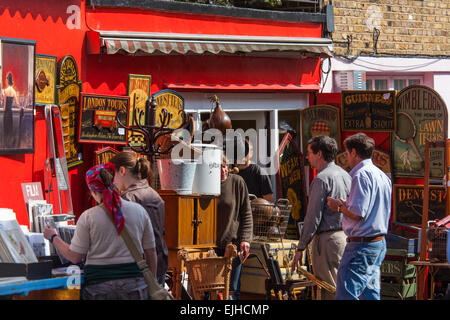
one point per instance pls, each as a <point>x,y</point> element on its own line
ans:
<point>190,222</point>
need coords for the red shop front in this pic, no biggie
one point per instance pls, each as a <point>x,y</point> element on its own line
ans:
<point>262,68</point>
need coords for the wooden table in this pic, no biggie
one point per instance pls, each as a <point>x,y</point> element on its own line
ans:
<point>421,268</point>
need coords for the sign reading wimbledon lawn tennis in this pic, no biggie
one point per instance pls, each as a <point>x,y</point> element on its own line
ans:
<point>421,116</point>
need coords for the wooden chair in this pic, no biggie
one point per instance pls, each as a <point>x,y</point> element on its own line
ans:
<point>209,274</point>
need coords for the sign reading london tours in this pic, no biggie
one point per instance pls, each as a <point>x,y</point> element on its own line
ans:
<point>291,183</point>
<point>368,110</point>
<point>320,120</point>
<point>421,116</point>
<point>98,123</point>
<point>173,102</point>
<point>408,203</point>
<point>68,91</point>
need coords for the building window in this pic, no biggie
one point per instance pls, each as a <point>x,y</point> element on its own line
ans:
<point>391,82</point>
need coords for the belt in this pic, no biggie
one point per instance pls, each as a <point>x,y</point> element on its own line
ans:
<point>365,239</point>
<point>335,230</point>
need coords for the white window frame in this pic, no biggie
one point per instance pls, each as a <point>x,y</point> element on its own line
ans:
<point>390,79</point>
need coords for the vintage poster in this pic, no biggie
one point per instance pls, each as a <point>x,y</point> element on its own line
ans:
<point>68,90</point>
<point>380,158</point>
<point>45,79</point>
<point>139,91</point>
<point>408,203</point>
<point>320,120</point>
<point>368,110</point>
<point>421,116</point>
<point>173,102</point>
<point>98,119</point>
<point>291,183</point>
<point>17,61</point>
<point>103,155</point>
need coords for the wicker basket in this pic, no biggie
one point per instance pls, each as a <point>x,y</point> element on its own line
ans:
<point>270,220</point>
<point>209,274</point>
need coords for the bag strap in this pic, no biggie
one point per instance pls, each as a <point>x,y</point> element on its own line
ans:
<point>136,254</point>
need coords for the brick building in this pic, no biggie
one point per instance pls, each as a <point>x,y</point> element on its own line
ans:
<point>389,44</point>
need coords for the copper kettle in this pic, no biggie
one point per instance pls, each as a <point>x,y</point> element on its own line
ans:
<point>219,119</point>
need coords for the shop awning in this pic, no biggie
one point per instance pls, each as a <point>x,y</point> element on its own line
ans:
<point>112,42</point>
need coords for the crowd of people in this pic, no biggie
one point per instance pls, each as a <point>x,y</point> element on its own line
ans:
<point>345,223</point>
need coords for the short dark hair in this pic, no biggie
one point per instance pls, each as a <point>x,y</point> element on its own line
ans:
<point>362,144</point>
<point>326,144</point>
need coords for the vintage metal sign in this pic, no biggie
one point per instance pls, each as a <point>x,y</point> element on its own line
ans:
<point>45,79</point>
<point>173,102</point>
<point>421,116</point>
<point>380,158</point>
<point>104,155</point>
<point>98,122</point>
<point>139,91</point>
<point>408,203</point>
<point>368,110</point>
<point>68,94</point>
<point>320,120</point>
<point>291,183</point>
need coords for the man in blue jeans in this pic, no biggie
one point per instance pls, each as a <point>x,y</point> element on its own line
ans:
<point>365,221</point>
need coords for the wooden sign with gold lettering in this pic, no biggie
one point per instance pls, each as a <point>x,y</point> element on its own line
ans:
<point>408,203</point>
<point>320,120</point>
<point>421,116</point>
<point>68,90</point>
<point>368,110</point>
<point>291,183</point>
<point>173,102</point>
<point>139,91</point>
<point>45,79</point>
<point>104,155</point>
<point>98,122</point>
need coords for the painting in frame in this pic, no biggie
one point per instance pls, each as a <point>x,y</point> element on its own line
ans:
<point>17,59</point>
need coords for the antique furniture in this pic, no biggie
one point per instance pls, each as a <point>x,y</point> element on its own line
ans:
<point>210,273</point>
<point>190,222</point>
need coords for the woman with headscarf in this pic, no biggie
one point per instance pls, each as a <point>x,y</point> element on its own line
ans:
<point>131,180</point>
<point>110,272</point>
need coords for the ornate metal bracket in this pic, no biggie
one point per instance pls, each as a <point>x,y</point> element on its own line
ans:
<point>149,130</point>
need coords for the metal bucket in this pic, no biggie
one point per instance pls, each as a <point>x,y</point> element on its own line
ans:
<point>207,175</point>
<point>177,174</point>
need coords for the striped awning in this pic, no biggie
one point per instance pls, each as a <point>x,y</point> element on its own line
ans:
<point>157,43</point>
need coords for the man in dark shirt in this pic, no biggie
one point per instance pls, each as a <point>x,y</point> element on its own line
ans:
<point>257,181</point>
<point>322,225</point>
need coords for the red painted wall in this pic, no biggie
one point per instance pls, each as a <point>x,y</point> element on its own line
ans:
<point>59,28</point>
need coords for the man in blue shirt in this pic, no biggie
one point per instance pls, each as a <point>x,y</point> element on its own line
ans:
<point>365,221</point>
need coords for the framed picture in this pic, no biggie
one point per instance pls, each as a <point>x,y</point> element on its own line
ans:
<point>45,79</point>
<point>98,119</point>
<point>408,203</point>
<point>17,59</point>
<point>139,91</point>
<point>368,110</point>
<point>173,102</point>
<point>421,116</point>
<point>320,120</point>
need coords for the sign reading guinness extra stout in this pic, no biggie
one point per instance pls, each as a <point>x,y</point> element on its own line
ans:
<point>291,183</point>
<point>68,90</point>
<point>368,110</point>
<point>408,203</point>
<point>421,116</point>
